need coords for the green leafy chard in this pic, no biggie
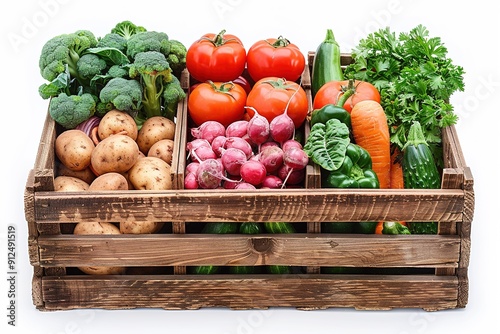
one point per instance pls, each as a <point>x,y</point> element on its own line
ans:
<point>415,79</point>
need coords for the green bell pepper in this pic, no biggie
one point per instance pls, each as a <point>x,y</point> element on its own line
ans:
<point>394,228</point>
<point>337,111</point>
<point>355,172</point>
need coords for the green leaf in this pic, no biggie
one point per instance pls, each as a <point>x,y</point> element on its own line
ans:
<point>112,56</point>
<point>327,144</point>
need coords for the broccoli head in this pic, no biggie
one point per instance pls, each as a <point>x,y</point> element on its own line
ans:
<point>90,65</point>
<point>127,29</point>
<point>71,110</point>
<point>113,40</point>
<point>153,71</point>
<point>177,57</point>
<point>124,94</point>
<point>172,94</point>
<point>65,49</point>
<point>148,41</point>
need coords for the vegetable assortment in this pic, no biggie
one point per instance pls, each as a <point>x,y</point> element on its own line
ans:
<point>374,124</point>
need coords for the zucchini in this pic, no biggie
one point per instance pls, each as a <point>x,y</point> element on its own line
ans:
<point>419,172</point>
<point>214,228</point>
<point>326,64</point>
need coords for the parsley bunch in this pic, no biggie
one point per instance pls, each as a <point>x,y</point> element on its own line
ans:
<point>415,80</point>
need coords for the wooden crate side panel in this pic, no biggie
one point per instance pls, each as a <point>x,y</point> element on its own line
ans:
<point>259,206</point>
<point>263,249</point>
<point>310,292</point>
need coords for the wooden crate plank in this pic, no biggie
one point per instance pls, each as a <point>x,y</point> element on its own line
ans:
<point>259,291</point>
<point>260,206</point>
<point>266,249</point>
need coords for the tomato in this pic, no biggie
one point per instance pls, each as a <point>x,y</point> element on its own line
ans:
<point>219,57</point>
<point>275,57</point>
<point>270,97</point>
<point>330,92</point>
<point>217,101</point>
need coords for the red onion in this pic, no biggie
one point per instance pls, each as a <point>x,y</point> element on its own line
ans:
<point>88,125</point>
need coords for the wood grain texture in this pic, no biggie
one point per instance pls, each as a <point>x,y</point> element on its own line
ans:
<point>266,249</point>
<point>292,205</point>
<point>376,292</point>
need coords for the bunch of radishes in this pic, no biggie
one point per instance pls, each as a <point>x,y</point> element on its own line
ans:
<point>245,155</point>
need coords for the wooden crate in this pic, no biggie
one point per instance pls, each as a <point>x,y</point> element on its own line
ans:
<point>403,271</point>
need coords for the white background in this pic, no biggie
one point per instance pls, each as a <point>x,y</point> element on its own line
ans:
<point>471,33</point>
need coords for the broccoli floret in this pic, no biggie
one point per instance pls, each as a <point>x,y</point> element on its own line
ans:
<point>113,40</point>
<point>118,71</point>
<point>148,41</point>
<point>177,57</point>
<point>127,29</point>
<point>124,94</point>
<point>71,110</point>
<point>90,65</point>
<point>65,49</point>
<point>154,72</point>
<point>172,94</point>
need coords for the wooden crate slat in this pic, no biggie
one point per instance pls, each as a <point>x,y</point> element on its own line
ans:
<point>263,249</point>
<point>308,292</point>
<point>259,206</point>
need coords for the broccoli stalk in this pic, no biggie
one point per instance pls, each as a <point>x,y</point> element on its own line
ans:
<point>172,95</point>
<point>153,71</point>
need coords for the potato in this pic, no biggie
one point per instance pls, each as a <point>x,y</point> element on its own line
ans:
<point>150,173</point>
<point>69,183</point>
<point>117,122</point>
<point>117,153</point>
<point>94,228</point>
<point>74,148</point>
<point>162,149</point>
<point>109,181</point>
<point>154,129</point>
<point>140,227</point>
<point>86,175</point>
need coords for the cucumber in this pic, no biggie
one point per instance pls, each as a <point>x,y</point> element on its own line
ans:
<point>326,64</point>
<point>247,228</point>
<point>214,228</point>
<point>279,227</point>
<point>419,172</point>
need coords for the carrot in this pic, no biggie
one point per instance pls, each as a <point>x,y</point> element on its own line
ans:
<point>397,180</point>
<point>371,131</point>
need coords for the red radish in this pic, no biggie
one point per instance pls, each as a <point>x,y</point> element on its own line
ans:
<point>237,129</point>
<point>295,158</point>
<point>203,153</point>
<point>282,126</point>
<point>210,174</point>
<point>291,143</point>
<point>258,128</point>
<point>245,185</point>
<point>192,167</point>
<point>208,130</point>
<point>232,159</point>
<point>269,143</point>
<point>253,172</point>
<point>272,182</point>
<point>218,144</point>
<point>242,144</point>
<point>190,181</point>
<point>292,176</point>
<point>233,181</point>
<point>271,157</point>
